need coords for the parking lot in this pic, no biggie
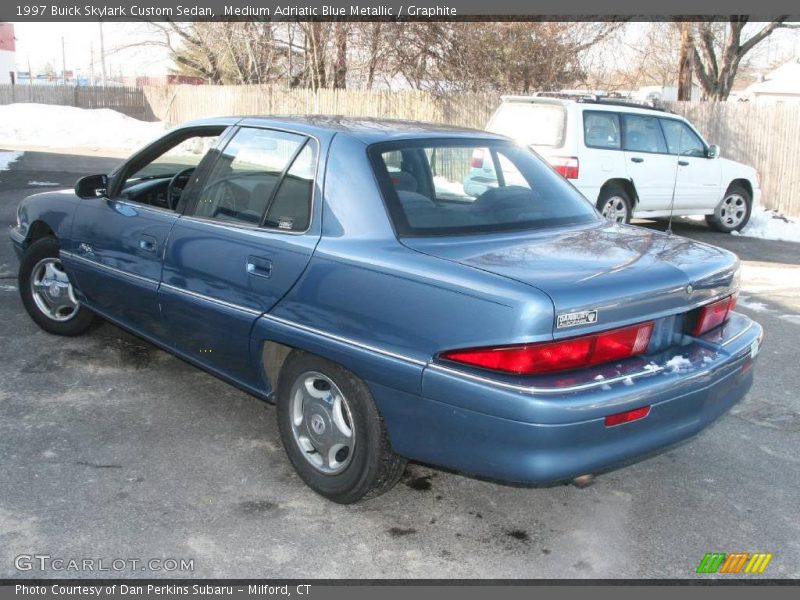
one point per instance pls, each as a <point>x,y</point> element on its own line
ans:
<point>111,448</point>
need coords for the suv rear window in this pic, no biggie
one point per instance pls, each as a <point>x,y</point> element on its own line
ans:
<point>531,123</point>
<point>450,187</point>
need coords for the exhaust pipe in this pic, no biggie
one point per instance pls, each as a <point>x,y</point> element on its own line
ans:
<point>583,481</point>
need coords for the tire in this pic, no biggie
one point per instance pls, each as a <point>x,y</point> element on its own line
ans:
<point>733,212</point>
<point>369,467</point>
<point>615,201</point>
<point>41,263</point>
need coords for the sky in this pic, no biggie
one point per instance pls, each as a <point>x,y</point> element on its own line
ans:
<point>41,44</point>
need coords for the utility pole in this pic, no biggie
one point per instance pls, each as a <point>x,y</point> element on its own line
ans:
<point>63,62</point>
<point>91,64</point>
<point>103,55</point>
<point>685,62</point>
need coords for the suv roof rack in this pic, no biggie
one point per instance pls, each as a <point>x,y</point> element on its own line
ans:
<point>590,98</point>
<point>627,103</point>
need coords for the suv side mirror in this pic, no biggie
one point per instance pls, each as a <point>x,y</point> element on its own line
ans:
<point>91,186</point>
<point>713,151</point>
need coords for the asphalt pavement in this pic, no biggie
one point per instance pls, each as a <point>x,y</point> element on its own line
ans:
<point>113,449</point>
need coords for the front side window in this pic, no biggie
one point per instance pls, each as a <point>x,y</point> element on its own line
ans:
<point>681,139</point>
<point>247,174</point>
<point>642,134</point>
<point>601,130</point>
<point>435,187</point>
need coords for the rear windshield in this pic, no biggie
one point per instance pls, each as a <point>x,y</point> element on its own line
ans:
<point>532,124</point>
<point>447,187</point>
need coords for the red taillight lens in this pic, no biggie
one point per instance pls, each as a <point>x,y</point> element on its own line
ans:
<point>477,159</point>
<point>714,314</point>
<point>548,357</point>
<point>627,416</point>
<point>566,166</point>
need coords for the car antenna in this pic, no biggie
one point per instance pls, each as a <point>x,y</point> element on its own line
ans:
<point>674,181</point>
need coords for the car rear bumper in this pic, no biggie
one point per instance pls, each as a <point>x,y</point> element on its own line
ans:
<point>474,426</point>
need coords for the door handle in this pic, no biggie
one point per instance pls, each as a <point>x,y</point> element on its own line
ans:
<point>261,267</point>
<point>683,163</point>
<point>636,159</point>
<point>148,244</point>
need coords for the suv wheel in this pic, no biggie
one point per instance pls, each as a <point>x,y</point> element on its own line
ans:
<point>615,205</point>
<point>733,212</point>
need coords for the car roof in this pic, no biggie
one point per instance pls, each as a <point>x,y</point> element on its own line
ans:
<point>610,105</point>
<point>368,130</point>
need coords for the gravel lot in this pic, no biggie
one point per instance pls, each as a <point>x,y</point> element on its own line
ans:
<point>110,448</point>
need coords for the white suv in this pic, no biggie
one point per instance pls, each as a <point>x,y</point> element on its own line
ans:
<point>628,159</point>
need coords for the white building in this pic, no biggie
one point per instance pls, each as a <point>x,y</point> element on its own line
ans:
<point>779,85</point>
<point>7,60</point>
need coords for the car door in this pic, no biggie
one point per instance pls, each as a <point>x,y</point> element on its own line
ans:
<point>649,166</point>
<point>246,236</point>
<point>118,241</point>
<point>698,182</point>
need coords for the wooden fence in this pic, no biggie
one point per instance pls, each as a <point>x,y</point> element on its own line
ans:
<point>766,137</point>
<point>130,101</point>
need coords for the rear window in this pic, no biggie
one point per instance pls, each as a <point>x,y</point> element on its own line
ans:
<point>451,187</point>
<point>531,123</point>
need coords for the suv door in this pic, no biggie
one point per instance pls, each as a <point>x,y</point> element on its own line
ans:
<point>119,240</point>
<point>648,164</point>
<point>698,183</point>
<point>246,236</point>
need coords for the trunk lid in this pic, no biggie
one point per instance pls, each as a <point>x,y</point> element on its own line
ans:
<point>600,276</point>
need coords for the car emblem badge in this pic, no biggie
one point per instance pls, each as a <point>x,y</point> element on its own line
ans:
<point>581,317</point>
<point>318,424</point>
<point>689,289</point>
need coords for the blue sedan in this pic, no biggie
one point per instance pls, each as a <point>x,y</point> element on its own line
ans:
<point>340,269</point>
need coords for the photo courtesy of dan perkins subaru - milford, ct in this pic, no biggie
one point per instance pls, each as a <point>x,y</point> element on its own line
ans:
<point>340,269</point>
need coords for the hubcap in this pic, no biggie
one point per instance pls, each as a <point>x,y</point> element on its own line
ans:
<point>615,209</point>
<point>732,210</point>
<point>322,423</point>
<point>52,291</point>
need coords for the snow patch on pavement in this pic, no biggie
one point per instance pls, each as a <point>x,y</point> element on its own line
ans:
<point>44,125</point>
<point>791,318</point>
<point>771,225</point>
<point>6,158</point>
<point>745,302</point>
<point>43,183</point>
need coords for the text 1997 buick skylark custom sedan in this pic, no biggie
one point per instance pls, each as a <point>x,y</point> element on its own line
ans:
<point>339,268</point>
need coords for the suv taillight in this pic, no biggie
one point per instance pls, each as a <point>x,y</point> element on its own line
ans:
<point>714,314</point>
<point>549,357</point>
<point>566,166</point>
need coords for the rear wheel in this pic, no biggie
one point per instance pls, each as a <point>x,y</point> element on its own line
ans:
<point>332,431</point>
<point>615,204</point>
<point>47,292</point>
<point>733,212</point>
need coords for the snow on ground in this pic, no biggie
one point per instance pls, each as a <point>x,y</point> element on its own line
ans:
<point>6,158</point>
<point>43,183</point>
<point>745,302</point>
<point>770,225</point>
<point>49,126</point>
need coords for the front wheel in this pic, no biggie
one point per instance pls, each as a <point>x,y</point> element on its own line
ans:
<point>733,212</point>
<point>332,431</point>
<point>47,292</point>
<point>615,205</point>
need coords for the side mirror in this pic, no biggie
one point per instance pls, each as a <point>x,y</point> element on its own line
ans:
<point>91,186</point>
<point>713,151</point>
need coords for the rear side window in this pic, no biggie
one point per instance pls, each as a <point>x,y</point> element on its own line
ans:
<point>451,187</point>
<point>246,174</point>
<point>601,130</point>
<point>681,139</point>
<point>531,123</point>
<point>642,134</point>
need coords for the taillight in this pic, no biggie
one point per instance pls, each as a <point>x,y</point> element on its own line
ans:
<point>627,416</point>
<point>477,159</point>
<point>566,166</point>
<point>714,314</point>
<point>548,357</point>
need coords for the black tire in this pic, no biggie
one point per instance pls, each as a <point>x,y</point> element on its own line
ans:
<point>79,322</point>
<point>722,221</point>
<point>373,468</point>
<point>623,202</point>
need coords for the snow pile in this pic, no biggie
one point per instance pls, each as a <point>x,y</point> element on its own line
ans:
<point>745,302</point>
<point>679,363</point>
<point>48,126</point>
<point>6,158</point>
<point>770,225</point>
